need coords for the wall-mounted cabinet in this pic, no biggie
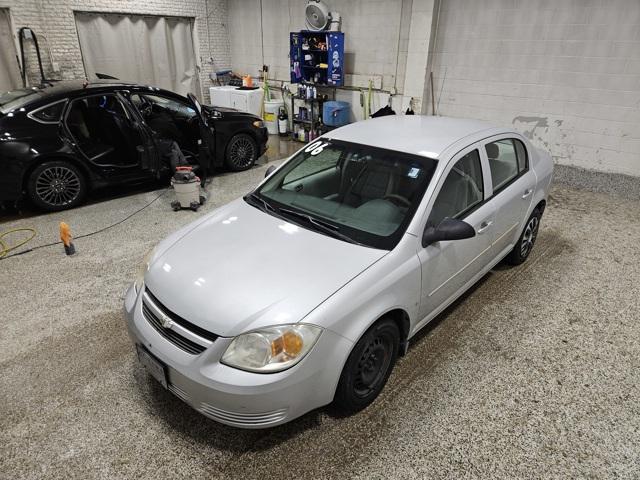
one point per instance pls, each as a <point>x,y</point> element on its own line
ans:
<point>317,57</point>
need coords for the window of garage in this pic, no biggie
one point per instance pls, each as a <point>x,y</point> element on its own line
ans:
<point>146,49</point>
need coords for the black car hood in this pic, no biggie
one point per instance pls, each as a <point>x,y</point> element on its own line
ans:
<point>230,113</point>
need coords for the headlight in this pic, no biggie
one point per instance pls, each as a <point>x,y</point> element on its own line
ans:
<point>258,124</point>
<point>143,269</point>
<point>271,349</point>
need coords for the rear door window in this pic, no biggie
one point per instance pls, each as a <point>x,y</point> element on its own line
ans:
<point>49,113</point>
<point>507,160</point>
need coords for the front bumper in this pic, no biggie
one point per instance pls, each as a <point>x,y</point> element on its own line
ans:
<point>235,397</point>
<point>263,139</point>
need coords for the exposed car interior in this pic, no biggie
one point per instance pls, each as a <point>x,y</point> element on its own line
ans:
<point>100,126</point>
<point>360,188</point>
<point>170,119</point>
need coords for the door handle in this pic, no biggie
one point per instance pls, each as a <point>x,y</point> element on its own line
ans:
<point>483,227</point>
<point>298,187</point>
<point>527,192</point>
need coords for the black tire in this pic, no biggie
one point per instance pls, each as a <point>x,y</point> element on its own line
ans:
<point>241,153</point>
<point>368,367</point>
<point>527,239</point>
<point>56,185</point>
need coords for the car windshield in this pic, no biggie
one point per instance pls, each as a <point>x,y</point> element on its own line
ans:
<point>9,101</point>
<point>354,192</point>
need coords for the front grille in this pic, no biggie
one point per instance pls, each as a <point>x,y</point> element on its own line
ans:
<point>243,419</point>
<point>180,341</point>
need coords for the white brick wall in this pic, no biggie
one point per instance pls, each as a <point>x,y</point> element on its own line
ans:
<point>371,27</point>
<point>385,40</point>
<point>55,21</point>
<point>566,73</point>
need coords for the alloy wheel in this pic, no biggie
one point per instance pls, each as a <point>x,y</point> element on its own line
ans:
<point>241,152</point>
<point>58,186</point>
<point>529,236</point>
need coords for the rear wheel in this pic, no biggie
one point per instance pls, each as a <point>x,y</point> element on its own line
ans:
<point>368,367</point>
<point>527,239</point>
<point>56,185</point>
<point>242,152</point>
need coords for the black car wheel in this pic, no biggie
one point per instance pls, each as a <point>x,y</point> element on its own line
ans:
<point>56,185</point>
<point>368,367</point>
<point>242,152</point>
<point>526,241</point>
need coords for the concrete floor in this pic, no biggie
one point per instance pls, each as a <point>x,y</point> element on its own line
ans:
<point>535,373</point>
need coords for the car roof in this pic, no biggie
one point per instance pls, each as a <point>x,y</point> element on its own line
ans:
<point>424,135</point>
<point>53,91</point>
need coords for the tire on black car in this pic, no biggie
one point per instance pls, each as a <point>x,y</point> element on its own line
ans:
<point>241,152</point>
<point>368,367</point>
<point>527,239</point>
<point>56,185</point>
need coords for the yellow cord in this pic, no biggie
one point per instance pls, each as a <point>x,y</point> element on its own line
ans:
<point>5,248</point>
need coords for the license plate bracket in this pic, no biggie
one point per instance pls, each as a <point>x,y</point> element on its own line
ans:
<point>155,367</point>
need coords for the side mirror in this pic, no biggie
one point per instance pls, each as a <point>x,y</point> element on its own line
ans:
<point>449,229</point>
<point>269,171</point>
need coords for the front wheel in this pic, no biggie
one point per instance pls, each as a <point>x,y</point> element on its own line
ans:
<point>527,239</point>
<point>56,185</point>
<point>241,153</point>
<point>368,367</point>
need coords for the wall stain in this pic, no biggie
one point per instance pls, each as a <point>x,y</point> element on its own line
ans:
<point>538,122</point>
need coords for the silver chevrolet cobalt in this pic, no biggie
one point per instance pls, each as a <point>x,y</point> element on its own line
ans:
<point>305,291</point>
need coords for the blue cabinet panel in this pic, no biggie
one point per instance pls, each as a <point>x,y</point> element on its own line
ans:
<point>317,57</point>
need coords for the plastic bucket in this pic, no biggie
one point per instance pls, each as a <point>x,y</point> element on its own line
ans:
<point>335,113</point>
<point>271,110</point>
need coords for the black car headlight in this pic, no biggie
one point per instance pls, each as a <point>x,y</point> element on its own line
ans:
<point>258,124</point>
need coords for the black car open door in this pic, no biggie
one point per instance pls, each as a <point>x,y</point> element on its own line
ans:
<point>146,150</point>
<point>207,142</point>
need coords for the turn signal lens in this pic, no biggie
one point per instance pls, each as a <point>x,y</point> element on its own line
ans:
<point>271,349</point>
<point>289,344</point>
<point>258,124</point>
<point>143,269</point>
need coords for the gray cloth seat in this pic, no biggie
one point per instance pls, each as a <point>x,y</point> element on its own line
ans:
<point>373,183</point>
<point>457,194</point>
<point>503,166</point>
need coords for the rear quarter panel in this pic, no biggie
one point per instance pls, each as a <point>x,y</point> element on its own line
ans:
<point>542,165</point>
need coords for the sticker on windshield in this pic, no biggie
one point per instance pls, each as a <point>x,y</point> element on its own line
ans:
<point>414,172</point>
<point>316,147</point>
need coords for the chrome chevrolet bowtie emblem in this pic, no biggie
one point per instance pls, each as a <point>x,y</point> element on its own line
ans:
<point>166,322</point>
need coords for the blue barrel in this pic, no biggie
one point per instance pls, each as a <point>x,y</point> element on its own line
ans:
<point>335,113</point>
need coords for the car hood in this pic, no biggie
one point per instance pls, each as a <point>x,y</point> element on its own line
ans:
<point>231,113</point>
<point>242,269</point>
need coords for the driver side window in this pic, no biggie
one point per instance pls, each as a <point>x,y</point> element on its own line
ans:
<point>461,191</point>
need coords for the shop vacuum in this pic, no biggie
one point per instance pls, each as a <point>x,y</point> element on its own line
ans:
<point>188,190</point>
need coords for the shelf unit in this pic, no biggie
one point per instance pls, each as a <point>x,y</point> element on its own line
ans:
<point>314,121</point>
<point>305,60</point>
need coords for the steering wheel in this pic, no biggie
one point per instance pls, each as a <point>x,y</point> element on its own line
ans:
<point>397,199</point>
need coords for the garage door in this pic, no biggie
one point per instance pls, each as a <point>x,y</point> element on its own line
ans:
<point>152,50</point>
<point>9,73</point>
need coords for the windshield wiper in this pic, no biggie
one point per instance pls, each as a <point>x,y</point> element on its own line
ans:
<point>266,205</point>
<point>329,229</point>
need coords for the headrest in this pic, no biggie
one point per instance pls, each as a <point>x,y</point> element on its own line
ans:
<point>492,150</point>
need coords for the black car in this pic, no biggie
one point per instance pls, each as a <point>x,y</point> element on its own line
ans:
<point>59,141</point>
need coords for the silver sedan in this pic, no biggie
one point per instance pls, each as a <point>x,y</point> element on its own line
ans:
<point>305,291</point>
